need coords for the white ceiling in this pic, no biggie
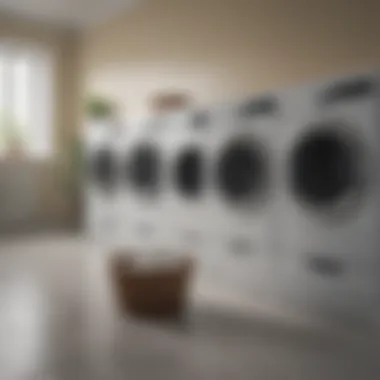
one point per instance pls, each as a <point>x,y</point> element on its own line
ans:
<point>70,13</point>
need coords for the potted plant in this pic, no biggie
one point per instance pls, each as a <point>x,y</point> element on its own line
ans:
<point>99,108</point>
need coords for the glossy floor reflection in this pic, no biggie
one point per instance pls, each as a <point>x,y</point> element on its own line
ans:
<point>58,321</point>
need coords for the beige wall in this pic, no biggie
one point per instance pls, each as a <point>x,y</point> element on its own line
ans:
<point>224,49</point>
<point>217,49</point>
<point>57,206</point>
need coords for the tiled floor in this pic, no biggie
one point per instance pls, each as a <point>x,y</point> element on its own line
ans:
<point>58,321</point>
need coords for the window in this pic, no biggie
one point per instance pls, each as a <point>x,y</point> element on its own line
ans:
<point>26,99</point>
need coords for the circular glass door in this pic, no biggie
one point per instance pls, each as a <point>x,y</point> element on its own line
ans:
<point>325,167</point>
<point>144,168</point>
<point>103,168</point>
<point>242,170</point>
<point>188,172</point>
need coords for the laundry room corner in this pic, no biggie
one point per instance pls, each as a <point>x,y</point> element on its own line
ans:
<point>189,189</point>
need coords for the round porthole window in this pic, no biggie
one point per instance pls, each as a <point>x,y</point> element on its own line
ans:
<point>103,168</point>
<point>188,172</point>
<point>326,167</point>
<point>144,168</point>
<point>242,170</point>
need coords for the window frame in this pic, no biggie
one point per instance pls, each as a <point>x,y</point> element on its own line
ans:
<point>43,104</point>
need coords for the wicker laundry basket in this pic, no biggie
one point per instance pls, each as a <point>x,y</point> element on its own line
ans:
<point>151,290</point>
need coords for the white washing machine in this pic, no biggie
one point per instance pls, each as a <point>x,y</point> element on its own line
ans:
<point>186,204</point>
<point>329,208</point>
<point>237,216</point>
<point>145,188</point>
<point>102,184</point>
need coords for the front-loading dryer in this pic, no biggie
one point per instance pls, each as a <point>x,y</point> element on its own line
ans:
<point>188,175</point>
<point>239,218</point>
<point>101,192</point>
<point>146,184</point>
<point>331,207</point>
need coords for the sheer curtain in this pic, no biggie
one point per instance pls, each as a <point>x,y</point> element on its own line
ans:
<point>26,98</point>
